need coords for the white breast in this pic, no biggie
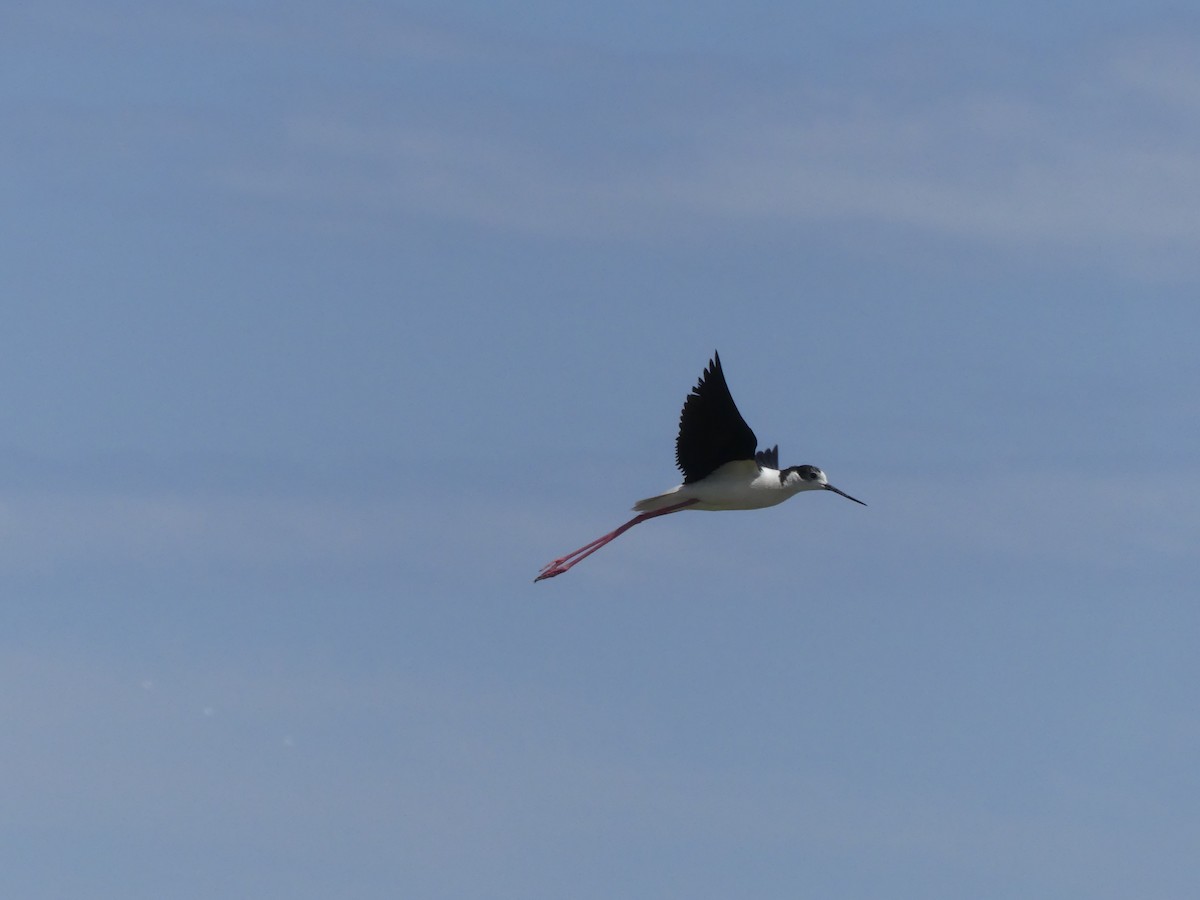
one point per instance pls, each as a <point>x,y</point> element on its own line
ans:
<point>737,485</point>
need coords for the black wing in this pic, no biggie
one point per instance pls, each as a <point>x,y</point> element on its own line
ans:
<point>768,459</point>
<point>711,430</point>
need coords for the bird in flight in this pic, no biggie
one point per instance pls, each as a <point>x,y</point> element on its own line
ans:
<point>722,467</point>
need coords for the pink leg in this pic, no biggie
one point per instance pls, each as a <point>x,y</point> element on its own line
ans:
<point>566,562</point>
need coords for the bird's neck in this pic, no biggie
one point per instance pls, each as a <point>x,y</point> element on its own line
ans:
<point>790,480</point>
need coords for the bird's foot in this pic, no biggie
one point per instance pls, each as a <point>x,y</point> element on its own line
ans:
<point>551,569</point>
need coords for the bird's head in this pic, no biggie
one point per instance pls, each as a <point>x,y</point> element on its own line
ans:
<point>810,478</point>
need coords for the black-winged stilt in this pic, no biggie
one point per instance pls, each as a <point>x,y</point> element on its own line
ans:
<point>715,450</point>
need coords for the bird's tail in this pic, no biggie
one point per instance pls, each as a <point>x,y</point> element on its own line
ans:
<point>662,501</point>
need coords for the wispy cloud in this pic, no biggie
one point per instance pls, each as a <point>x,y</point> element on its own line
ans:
<point>280,529</point>
<point>1095,153</point>
<point>41,530</point>
<point>1075,161</point>
<point>1108,519</point>
<point>433,773</point>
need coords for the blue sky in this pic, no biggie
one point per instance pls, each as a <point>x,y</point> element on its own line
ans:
<point>326,325</point>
